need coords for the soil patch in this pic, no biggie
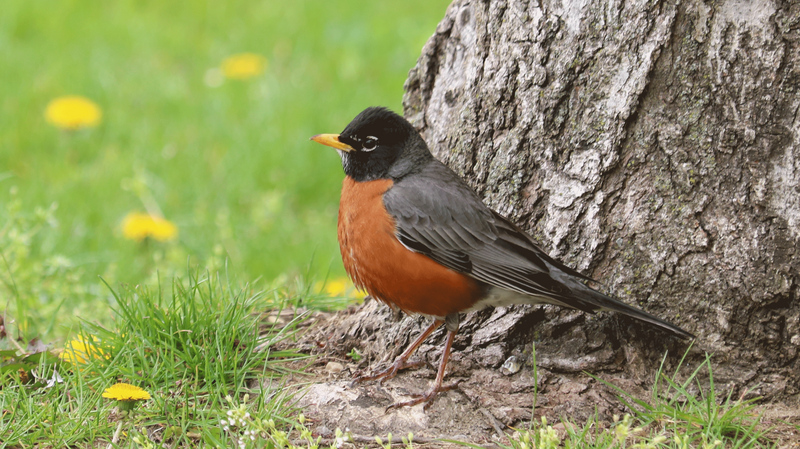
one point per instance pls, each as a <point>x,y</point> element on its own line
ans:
<point>496,385</point>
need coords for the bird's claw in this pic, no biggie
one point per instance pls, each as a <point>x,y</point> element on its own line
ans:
<point>388,373</point>
<point>426,397</point>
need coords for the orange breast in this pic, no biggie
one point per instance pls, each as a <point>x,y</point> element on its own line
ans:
<point>378,263</point>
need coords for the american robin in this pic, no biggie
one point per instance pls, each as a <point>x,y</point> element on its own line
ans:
<point>417,237</point>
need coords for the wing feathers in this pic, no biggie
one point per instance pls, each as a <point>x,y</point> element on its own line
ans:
<point>453,227</point>
<point>436,214</point>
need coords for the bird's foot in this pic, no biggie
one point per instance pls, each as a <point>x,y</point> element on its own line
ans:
<point>389,372</point>
<point>426,397</point>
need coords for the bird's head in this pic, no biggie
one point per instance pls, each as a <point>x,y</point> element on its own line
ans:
<point>378,144</point>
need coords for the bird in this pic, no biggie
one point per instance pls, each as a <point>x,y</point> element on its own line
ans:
<point>417,237</point>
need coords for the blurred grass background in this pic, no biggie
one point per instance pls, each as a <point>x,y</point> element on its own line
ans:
<point>230,164</point>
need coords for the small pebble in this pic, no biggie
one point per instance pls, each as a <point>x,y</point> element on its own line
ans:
<point>334,367</point>
<point>512,365</point>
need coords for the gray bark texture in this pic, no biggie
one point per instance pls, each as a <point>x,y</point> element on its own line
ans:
<point>652,145</point>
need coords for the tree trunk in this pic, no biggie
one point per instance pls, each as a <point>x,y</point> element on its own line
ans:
<point>650,145</point>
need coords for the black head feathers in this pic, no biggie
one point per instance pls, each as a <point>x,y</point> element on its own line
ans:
<point>383,145</point>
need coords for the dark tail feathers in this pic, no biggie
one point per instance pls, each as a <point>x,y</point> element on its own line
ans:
<point>600,301</point>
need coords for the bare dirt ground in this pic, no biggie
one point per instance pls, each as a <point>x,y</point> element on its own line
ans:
<point>495,393</point>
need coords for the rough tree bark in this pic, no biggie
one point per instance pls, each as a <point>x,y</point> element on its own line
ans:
<point>653,145</point>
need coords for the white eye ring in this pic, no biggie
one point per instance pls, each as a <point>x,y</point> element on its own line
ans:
<point>370,140</point>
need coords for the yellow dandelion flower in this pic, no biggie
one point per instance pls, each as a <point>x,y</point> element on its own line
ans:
<point>337,287</point>
<point>79,351</point>
<point>341,287</point>
<point>138,226</point>
<point>73,112</point>
<point>243,66</point>
<point>126,392</point>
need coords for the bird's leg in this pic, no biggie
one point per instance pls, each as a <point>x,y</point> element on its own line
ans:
<point>401,362</point>
<point>452,321</point>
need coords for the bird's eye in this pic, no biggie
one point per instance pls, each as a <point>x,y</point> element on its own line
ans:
<point>370,143</point>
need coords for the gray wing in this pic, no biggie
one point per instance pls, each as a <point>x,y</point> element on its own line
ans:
<point>439,216</point>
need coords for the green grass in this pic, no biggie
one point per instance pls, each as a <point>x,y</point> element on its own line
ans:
<point>232,166</point>
<point>212,355</point>
<point>190,344</point>
<point>255,205</point>
<point>693,411</point>
<point>684,411</point>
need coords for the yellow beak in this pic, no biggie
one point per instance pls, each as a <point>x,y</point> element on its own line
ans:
<point>332,140</point>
